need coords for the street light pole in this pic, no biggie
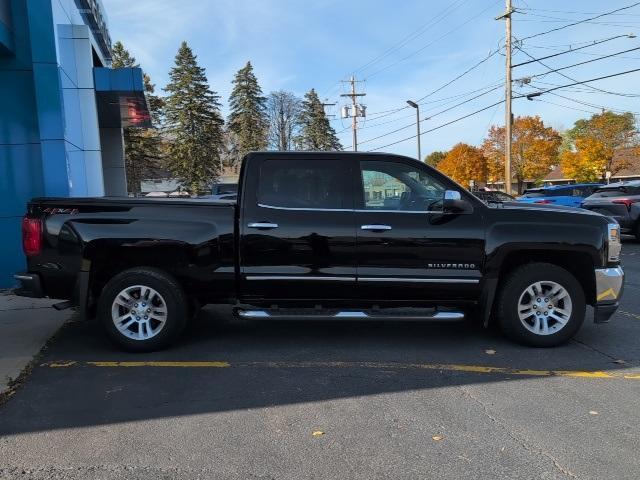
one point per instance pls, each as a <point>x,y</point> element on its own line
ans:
<point>417,107</point>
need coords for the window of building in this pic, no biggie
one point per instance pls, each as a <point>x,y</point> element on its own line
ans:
<point>303,184</point>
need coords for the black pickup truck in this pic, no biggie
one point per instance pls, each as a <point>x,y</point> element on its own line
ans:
<point>340,236</point>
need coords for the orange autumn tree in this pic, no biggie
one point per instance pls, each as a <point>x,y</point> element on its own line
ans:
<point>464,163</point>
<point>592,144</point>
<point>534,150</point>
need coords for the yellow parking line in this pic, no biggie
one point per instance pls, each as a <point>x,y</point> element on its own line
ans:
<point>480,369</point>
<point>629,314</point>
<point>161,364</point>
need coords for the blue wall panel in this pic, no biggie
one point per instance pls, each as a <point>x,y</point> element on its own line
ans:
<point>20,178</point>
<point>12,259</point>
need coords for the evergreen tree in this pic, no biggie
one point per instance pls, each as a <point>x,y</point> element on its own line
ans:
<point>121,58</point>
<point>142,153</point>
<point>316,132</point>
<point>248,118</point>
<point>194,124</point>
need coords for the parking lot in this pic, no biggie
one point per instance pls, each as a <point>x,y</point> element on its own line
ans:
<point>238,399</point>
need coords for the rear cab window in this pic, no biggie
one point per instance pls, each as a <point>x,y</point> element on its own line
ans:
<point>304,184</point>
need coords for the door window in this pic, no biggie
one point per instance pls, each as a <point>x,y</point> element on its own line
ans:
<point>307,184</point>
<point>401,187</point>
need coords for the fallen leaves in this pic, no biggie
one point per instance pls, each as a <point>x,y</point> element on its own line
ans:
<point>437,438</point>
<point>593,412</point>
<point>317,433</point>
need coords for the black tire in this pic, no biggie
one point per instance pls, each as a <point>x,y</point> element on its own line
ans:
<point>636,231</point>
<point>514,287</point>
<point>172,294</point>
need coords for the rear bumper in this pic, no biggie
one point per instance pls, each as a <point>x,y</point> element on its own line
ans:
<point>30,285</point>
<point>609,288</point>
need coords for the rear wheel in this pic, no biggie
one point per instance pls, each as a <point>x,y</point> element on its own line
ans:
<point>541,305</point>
<point>143,309</point>
<point>636,231</point>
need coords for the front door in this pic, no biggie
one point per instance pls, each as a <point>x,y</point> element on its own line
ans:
<point>297,229</point>
<point>408,249</point>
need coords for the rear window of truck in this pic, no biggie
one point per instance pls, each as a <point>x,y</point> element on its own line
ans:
<point>317,184</point>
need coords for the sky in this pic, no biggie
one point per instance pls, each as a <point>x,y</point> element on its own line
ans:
<point>398,51</point>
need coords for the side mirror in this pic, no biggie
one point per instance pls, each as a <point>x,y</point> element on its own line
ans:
<point>453,203</point>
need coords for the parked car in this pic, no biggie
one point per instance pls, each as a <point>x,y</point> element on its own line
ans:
<point>619,201</point>
<point>565,195</point>
<point>309,239</point>
<point>493,196</point>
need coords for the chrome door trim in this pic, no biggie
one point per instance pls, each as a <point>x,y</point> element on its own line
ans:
<point>298,277</point>
<point>266,225</point>
<point>303,209</point>
<point>375,227</point>
<point>306,209</point>
<point>419,280</point>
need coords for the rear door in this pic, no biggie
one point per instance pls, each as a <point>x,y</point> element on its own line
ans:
<point>297,229</point>
<point>407,248</point>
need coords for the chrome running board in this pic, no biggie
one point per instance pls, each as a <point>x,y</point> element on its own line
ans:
<point>321,314</point>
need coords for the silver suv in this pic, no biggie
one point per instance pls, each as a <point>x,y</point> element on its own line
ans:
<point>620,201</point>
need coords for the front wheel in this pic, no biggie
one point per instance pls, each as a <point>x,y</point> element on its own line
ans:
<point>541,305</point>
<point>143,309</point>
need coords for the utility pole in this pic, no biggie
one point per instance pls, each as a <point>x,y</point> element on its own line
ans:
<point>354,111</point>
<point>507,100</point>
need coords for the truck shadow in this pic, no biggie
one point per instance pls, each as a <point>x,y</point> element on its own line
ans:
<point>264,365</point>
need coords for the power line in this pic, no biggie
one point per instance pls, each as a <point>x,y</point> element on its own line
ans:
<point>413,35</point>
<point>449,32</point>
<point>582,21</point>
<point>434,115</point>
<point>574,12</point>
<point>537,94</point>
<point>491,54</point>
<point>565,106</point>
<point>440,126</point>
<point>574,80</point>
<point>555,70</point>
<point>445,100</point>
<point>528,96</point>
<point>405,40</point>
<point>564,52</point>
<point>593,105</point>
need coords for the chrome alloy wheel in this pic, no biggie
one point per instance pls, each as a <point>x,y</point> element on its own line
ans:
<point>544,307</point>
<point>139,312</point>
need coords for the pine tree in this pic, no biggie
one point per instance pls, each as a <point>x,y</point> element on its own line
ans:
<point>316,132</point>
<point>142,153</point>
<point>121,58</point>
<point>194,124</point>
<point>248,118</point>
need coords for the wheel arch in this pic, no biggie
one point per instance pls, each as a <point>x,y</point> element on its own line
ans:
<point>577,262</point>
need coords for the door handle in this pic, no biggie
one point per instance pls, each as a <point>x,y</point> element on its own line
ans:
<point>375,227</point>
<point>262,225</point>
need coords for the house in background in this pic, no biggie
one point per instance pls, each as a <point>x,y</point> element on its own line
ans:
<point>628,157</point>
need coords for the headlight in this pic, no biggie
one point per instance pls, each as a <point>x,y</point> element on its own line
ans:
<point>614,242</point>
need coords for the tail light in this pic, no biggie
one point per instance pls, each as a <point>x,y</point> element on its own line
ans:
<point>627,202</point>
<point>544,202</point>
<point>31,236</point>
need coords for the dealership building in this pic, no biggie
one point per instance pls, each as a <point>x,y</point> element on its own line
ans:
<point>62,110</point>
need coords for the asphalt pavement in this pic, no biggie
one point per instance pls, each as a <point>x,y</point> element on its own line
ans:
<point>249,400</point>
